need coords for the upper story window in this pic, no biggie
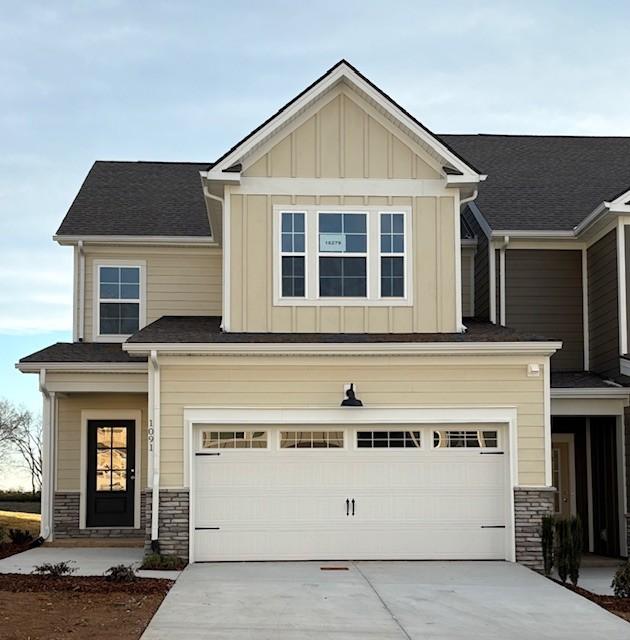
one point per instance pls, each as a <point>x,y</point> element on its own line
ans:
<point>119,303</point>
<point>342,256</point>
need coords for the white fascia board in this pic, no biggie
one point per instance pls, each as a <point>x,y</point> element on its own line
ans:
<point>622,393</point>
<point>161,240</point>
<point>96,367</point>
<point>354,349</point>
<point>465,179</point>
<point>344,72</point>
<point>225,177</point>
<point>531,233</point>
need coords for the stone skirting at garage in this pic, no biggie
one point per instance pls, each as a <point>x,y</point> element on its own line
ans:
<point>530,505</point>
<point>66,520</point>
<point>173,522</point>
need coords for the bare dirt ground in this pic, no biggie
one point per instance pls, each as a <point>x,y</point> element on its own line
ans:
<point>43,608</point>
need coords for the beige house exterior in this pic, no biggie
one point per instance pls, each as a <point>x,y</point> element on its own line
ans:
<point>204,405</point>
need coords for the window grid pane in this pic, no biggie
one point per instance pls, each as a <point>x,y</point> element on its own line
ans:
<point>234,440</point>
<point>392,242</point>
<point>293,241</point>
<point>119,306</point>
<point>342,277</point>
<point>389,439</point>
<point>311,439</point>
<point>465,439</point>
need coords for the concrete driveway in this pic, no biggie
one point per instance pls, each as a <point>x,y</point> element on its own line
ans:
<point>376,600</point>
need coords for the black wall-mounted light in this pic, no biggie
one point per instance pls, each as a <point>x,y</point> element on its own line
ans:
<point>351,399</point>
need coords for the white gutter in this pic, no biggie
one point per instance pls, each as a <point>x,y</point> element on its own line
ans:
<point>137,240</point>
<point>154,393</point>
<point>48,457</point>
<point>352,349</point>
<point>621,393</point>
<point>225,280</point>
<point>81,329</point>
<point>502,248</point>
<point>464,201</point>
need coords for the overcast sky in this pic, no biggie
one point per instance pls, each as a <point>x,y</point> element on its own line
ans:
<point>184,80</point>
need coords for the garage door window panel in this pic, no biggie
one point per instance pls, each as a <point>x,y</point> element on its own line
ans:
<point>465,439</point>
<point>311,440</point>
<point>234,439</point>
<point>389,439</point>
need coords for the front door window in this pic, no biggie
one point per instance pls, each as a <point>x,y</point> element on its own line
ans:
<point>111,473</point>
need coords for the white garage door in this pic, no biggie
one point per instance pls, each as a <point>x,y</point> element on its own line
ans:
<point>282,493</point>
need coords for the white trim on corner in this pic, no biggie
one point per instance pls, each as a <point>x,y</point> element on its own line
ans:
<point>360,416</point>
<point>459,322</point>
<point>357,349</point>
<point>206,241</point>
<point>110,414</point>
<point>621,285</point>
<point>547,419</point>
<point>96,298</point>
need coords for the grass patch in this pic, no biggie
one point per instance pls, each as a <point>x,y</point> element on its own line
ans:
<point>20,520</point>
<point>158,562</point>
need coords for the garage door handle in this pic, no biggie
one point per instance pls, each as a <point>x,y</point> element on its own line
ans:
<point>352,506</point>
<point>347,507</point>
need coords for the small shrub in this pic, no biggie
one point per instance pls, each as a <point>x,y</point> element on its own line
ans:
<point>121,573</point>
<point>20,536</point>
<point>621,581</point>
<point>575,549</point>
<point>548,523</point>
<point>158,561</point>
<point>562,548</point>
<point>54,570</point>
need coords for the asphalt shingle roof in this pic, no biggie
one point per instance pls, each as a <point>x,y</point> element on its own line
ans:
<point>545,182</point>
<point>206,329</point>
<point>139,199</point>
<point>82,352</point>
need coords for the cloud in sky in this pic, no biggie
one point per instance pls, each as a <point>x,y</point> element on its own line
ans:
<point>183,81</point>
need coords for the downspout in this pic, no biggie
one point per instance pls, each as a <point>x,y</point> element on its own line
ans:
<point>464,201</point>
<point>48,458</point>
<point>506,241</point>
<point>81,291</point>
<point>155,491</point>
<point>221,201</point>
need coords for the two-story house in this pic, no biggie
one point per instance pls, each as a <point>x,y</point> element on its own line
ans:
<point>275,357</point>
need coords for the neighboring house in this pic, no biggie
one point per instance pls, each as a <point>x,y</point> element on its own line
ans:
<point>222,311</point>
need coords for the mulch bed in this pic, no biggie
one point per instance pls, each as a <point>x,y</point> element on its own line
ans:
<point>75,607</point>
<point>25,583</point>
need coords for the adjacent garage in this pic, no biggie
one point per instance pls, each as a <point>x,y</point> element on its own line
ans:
<point>313,492</point>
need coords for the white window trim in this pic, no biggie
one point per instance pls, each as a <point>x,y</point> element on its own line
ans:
<point>473,429</point>
<point>311,266</point>
<point>106,414</point>
<point>306,450</point>
<point>96,296</point>
<point>393,450</point>
<point>404,255</point>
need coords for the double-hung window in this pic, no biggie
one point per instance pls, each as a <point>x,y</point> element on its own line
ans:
<point>119,299</point>
<point>342,255</point>
<point>293,253</point>
<point>329,255</point>
<point>392,244</point>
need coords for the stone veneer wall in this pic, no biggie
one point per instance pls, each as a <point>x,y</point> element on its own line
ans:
<point>66,520</point>
<point>530,505</point>
<point>173,522</point>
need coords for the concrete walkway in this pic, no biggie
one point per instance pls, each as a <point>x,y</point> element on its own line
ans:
<point>88,561</point>
<point>376,600</point>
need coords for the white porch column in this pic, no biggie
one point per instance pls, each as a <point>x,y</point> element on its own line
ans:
<point>49,412</point>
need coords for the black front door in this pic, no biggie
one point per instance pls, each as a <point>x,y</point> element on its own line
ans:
<point>111,473</point>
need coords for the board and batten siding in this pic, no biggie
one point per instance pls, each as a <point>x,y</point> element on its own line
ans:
<point>603,304</point>
<point>69,432</point>
<point>432,253</point>
<point>482,268</point>
<point>344,138</point>
<point>317,381</point>
<point>180,280</point>
<point>544,297</point>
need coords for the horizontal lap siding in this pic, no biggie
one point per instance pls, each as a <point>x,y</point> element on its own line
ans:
<point>318,382</point>
<point>180,280</point>
<point>69,432</point>
<point>544,297</point>
<point>603,302</point>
